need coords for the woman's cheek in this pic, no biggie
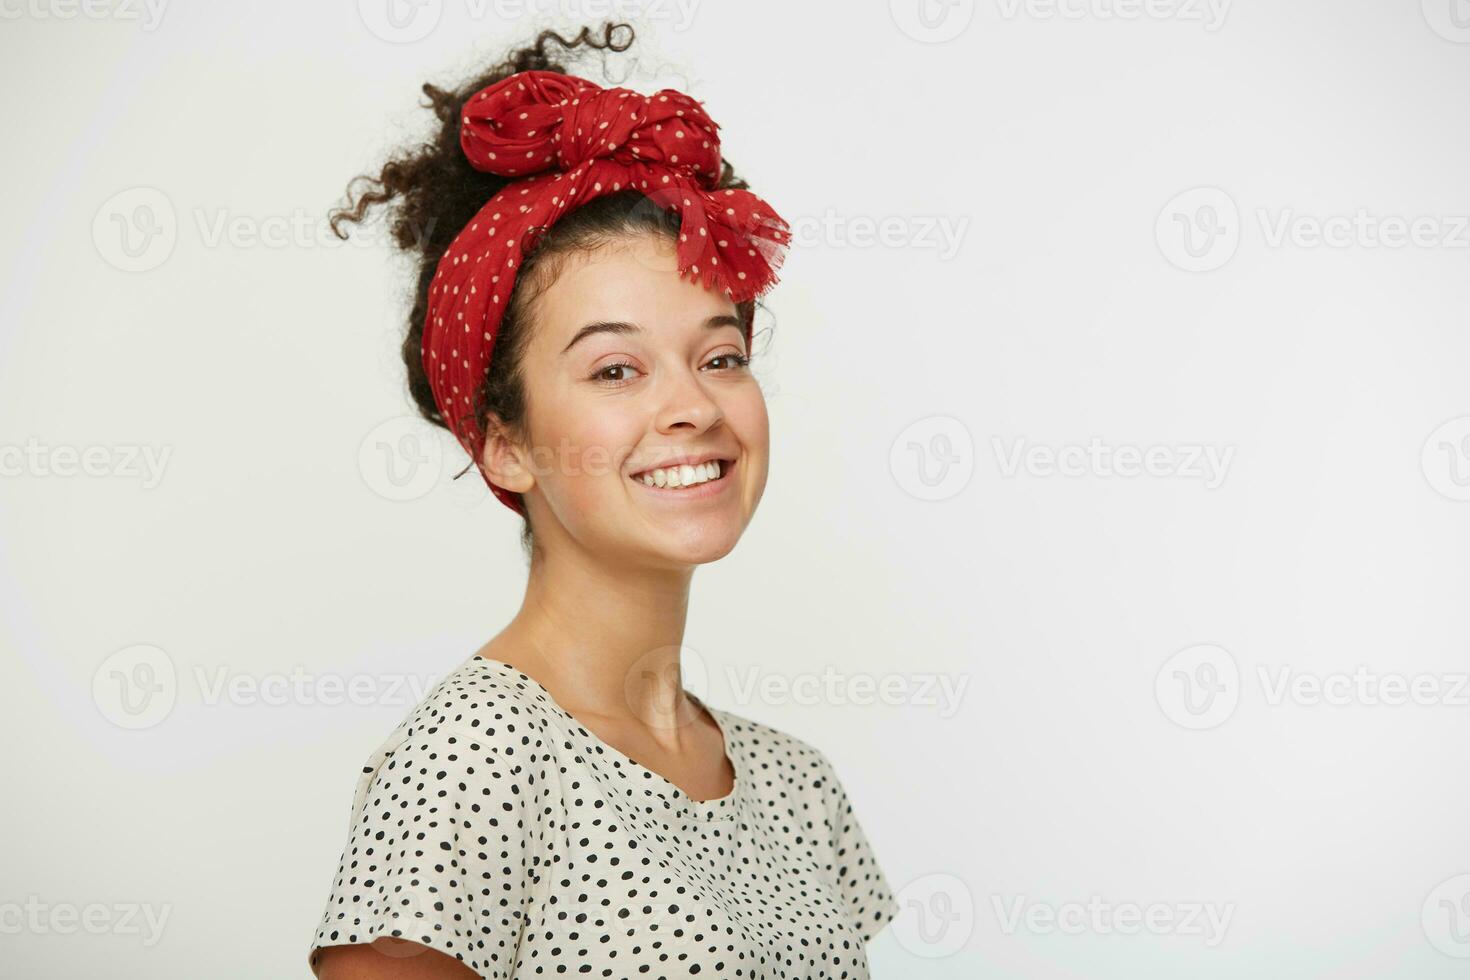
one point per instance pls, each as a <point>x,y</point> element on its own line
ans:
<point>603,452</point>
<point>755,436</point>
<point>754,424</point>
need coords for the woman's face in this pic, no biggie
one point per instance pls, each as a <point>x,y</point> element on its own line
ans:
<point>630,367</point>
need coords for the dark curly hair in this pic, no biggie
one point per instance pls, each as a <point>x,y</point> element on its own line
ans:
<point>433,192</point>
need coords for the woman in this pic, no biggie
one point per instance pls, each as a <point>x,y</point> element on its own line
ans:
<point>559,803</point>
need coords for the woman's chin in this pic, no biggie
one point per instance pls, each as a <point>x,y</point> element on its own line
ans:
<point>690,541</point>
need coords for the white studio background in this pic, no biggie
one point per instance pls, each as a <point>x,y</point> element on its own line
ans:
<point>1115,540</point>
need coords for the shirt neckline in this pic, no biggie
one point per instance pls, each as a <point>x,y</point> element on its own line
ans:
<point>675,802</point>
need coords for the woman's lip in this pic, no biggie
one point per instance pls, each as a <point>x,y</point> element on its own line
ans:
<point>668,466</point>
<point>709,488</point>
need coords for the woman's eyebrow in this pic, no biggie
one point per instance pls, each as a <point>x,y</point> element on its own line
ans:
<point>620,326</point>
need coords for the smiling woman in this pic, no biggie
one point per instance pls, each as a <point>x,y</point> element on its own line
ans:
<point>497,269</point>
<point>560,803</point>
<point>668,388</point>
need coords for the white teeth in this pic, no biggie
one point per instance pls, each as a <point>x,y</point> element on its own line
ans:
<point>683,475</point>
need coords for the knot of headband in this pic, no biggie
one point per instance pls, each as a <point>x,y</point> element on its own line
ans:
<point>566,140</point>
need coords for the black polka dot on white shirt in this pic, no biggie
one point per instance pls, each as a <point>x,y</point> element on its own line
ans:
<point>495,828</point>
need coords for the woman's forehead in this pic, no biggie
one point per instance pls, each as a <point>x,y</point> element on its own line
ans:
<point>635,284</point>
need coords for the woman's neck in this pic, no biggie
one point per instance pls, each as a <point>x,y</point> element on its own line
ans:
<point>604,641</point>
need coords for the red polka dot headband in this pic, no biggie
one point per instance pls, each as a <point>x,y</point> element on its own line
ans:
<point>567,141</point>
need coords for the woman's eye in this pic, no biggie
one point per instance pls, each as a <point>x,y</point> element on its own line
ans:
<point>608,374</point>
<point>734,361</point>
<point>601,373</point>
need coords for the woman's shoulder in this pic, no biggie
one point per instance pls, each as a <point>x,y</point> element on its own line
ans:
<point>473,712</point>
<point>454,794</point>
<point>475,699</point>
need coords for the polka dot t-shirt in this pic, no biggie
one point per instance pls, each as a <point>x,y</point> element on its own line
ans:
<point>493,827</point>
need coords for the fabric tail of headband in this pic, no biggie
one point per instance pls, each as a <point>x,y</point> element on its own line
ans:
<point>566,140</point>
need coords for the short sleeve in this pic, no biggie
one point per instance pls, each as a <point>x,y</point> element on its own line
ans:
<point>863,885</point>
<point>440,851</point>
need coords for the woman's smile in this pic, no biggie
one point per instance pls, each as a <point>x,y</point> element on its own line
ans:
<point>684,482</point>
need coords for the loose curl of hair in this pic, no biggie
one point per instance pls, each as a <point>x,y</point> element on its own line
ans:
<point>431,192</point>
